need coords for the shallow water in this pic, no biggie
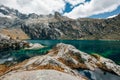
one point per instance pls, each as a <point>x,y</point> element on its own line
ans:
<point>109,49</point>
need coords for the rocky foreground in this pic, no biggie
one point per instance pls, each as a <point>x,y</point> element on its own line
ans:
<point>60,63</point>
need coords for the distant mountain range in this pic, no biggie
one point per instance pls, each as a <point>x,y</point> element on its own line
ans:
<point>59,27</point>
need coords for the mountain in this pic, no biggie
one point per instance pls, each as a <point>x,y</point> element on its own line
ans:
<point>60,27</point>
<point>11,12</point>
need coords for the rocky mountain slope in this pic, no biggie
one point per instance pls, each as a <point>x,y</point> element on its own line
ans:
<point>61,63</point>
<point>60,27</point>
<point>14,33</point>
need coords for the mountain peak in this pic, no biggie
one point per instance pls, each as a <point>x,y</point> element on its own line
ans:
<point>57,14</point>
<point>6,11</point>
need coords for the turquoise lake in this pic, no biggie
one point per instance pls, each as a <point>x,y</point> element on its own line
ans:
<point>109,49</point>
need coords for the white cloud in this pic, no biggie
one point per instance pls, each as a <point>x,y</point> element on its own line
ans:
<point>35,6</point>
<point>50,6</point>
<point>112,16</point>
<point>93,7</point>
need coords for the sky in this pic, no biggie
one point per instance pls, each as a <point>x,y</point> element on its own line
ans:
<point>70,8</point>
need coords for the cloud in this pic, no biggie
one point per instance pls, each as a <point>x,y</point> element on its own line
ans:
<point>35,6</point>
<point>113,16</point>
<point>93,7</point>
<point>86,9</point>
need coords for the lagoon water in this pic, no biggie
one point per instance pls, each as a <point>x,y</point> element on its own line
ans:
<point>109,49</point>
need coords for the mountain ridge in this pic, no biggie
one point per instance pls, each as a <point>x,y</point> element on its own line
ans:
<point>60,27</point>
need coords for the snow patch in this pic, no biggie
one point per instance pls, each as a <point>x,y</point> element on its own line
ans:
<point>2,15</point>
<point>3,8</point>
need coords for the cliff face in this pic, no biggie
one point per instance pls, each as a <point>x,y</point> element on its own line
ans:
<point>73,29</point>
<point>60,27</point>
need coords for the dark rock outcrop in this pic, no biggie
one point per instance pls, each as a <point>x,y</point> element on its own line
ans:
<point>6,43</point>
<point>99,75</point>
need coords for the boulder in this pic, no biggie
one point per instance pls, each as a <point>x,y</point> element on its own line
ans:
<point>40,75</point>
<point>34,46</point>
<point>75,58</point>
<point>4,37</point>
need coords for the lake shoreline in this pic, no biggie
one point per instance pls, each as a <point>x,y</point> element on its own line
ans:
<point>63,58</point>
<point>102,48</point>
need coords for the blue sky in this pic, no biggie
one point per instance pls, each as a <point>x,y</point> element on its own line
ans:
<point>70,8</point>
<point>100,14</point>
<point>107,14</point>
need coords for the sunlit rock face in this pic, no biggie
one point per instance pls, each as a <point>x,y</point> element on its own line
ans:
<point>2,37</point>
<point>41,75</point>
<point>74,58</point>
<point>45,64</point>
<point>63,59</point>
